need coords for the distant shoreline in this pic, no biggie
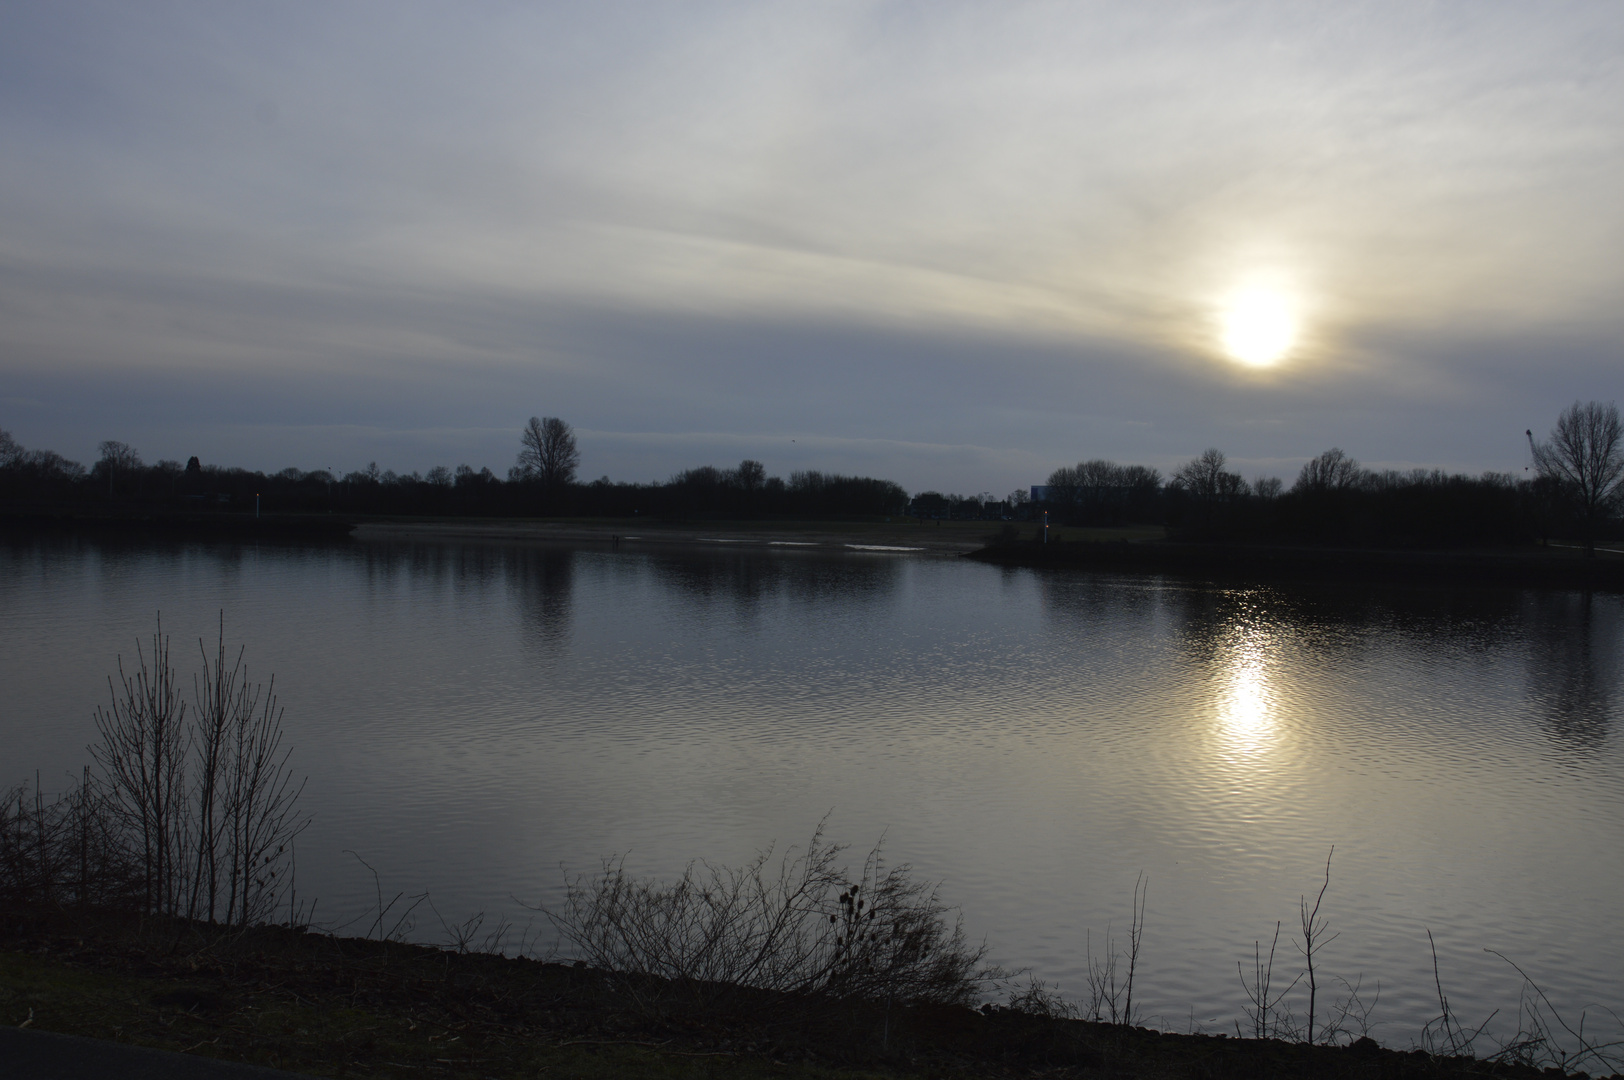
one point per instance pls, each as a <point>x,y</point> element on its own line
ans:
<point>903,536</point>
<point>1130,550</point>
<point>1548,567</point>
<point>206,525</point>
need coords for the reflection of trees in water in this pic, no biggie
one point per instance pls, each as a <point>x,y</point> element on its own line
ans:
<point>1099,596</point>
<point>745,580</point>
<point>544,579</point>
<point>432,564</point>
<point>541,577</point>
<point>388,566</point>
<point>1208,623</point>
<point>1339,622</point>
<point>1575,642</point>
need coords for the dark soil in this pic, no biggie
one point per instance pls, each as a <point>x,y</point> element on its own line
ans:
<point>332,1006</point>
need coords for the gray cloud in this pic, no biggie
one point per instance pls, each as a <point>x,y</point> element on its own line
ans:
<point>956,244</point>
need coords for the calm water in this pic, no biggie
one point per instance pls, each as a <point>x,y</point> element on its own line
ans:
<point>473,717</point>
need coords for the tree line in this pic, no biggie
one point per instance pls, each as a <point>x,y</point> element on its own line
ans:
<point>1575,492</point>
<point>542,482</point>
<point>1572,494</point>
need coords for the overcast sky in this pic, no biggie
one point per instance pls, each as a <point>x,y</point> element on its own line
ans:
<point>956,245</point>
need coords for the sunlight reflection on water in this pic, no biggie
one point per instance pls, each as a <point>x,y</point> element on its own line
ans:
<point>1245,710</point>
<point>471,716</point>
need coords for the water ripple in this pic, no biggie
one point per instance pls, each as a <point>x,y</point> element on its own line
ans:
<point>474,716</point>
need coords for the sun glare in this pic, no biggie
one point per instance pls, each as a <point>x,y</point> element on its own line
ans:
<point>1259,327</point>
<point>1247,710</point>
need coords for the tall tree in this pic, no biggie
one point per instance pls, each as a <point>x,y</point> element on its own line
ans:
<point>1206,478</point>
<point>1585,458</point>
<point>116,457</point>
<point>751,475</point>
<point>547,452</point>
<point>1331,471</point>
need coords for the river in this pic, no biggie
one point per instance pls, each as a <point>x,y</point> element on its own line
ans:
<point>477,719</point>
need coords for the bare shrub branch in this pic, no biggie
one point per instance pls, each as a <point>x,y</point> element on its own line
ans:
<point>1110,988</point>
<point>190,814</point>
<point>804,926</point>
<point>1314,939</point>
<point>142,755</point>
<point>1264,1008</point>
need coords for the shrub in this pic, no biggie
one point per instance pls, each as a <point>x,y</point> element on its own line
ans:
<point>191,817</point>
<point>803,927</point>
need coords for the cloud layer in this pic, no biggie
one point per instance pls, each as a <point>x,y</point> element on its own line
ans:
<point>957,245</point>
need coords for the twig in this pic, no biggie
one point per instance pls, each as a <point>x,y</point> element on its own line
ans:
<point>1313,928</point>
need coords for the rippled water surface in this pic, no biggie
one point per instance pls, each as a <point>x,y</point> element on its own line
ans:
<point>472,717</point>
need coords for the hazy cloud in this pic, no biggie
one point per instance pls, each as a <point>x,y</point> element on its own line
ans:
<point>949,243</point>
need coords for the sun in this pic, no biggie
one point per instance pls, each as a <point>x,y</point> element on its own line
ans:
<point>1259,327</point>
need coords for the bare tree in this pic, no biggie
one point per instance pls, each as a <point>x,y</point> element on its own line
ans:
<point>1585,458</point>
<point>1206,478</point>
<point>116,457</point>
<point>11,451</point>
<point>143,754</point>
<point>245,799</point>
<point>1331,471</point>
<point>206,809</point>
<point>1314,939</point>
<point>548,452</point>
<point>1101,491</point>
<point>751,476</point>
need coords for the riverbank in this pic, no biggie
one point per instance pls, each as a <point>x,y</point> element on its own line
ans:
<point>1545,567</point>
<point>179,523</point>
<point>902,535</point>
<point>331,1006</point>
<point>894,535</point>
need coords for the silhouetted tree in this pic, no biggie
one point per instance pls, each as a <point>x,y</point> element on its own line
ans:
<point>50,465</point>
<point>1101,492</point>
<point>751,476</point>
<point>116,458</point>
<point>1585,457</point>
<point>1204,494</point>
<point>1331,471</point>
<point>548,452</point>
<point>1206,478</point>
<point>11,451</point>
